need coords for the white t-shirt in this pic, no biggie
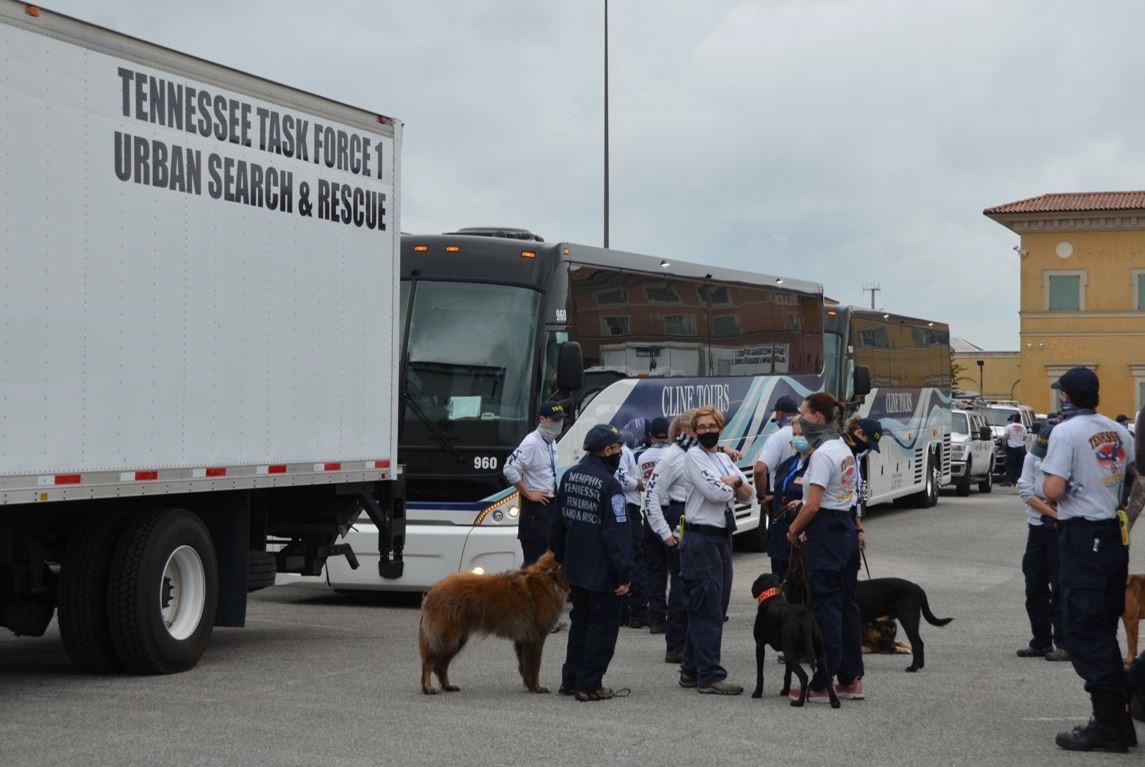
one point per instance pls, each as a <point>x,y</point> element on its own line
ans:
<point>776,450</point>
<point>1015,435</point>
<point>832,467</point>
<point>1091,453</point>
<point>1031,484</point>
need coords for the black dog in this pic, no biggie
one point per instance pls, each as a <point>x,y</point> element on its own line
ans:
<point>790,629</point>
<point>901,599</point>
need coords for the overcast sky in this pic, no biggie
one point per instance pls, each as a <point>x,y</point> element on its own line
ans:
<point>847,142</point>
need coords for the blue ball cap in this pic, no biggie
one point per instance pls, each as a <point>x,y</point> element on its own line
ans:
<point>659,427</point>
<point>874,431</point>
<point>601,436</point>
<point>1041,442</point>
<point>552,409</point>
<point>786,404</point>
<point>1077,382</point>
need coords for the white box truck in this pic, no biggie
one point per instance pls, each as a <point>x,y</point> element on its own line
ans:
<point>198,378</point>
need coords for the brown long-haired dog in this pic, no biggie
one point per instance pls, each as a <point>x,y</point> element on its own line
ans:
<point>522,605</point>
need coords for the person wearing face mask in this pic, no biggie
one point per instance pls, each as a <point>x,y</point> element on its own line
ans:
<point>824,527</point>
<point>715,483</point>
<point>590,538</point>
<point>1085,466</point>
<point>634,610</point>
<point>776,449</point>
<point>532,469</point>
<point>788,494</point>
<point>1040,561</point>
<point>664,495</point>
<point>862,435</point>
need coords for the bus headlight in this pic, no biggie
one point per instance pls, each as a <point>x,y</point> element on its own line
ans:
<point>496,513</point>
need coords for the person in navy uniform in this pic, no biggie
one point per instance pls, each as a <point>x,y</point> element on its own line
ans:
<point>591,539</point>
<point>825,528</point>
<point>532,469</point>
<point>714,484</point>
<point>1084,470</point>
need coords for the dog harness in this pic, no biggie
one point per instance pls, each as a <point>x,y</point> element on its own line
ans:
<point>767,594</point>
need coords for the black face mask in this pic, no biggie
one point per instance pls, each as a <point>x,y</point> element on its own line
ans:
<point>709,439</point>
<point>857,445</point>
<point>612,462</point>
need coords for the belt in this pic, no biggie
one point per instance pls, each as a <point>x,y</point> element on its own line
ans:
<point>1083,522</point>
<point>838,513</point>
<point>692,527</point>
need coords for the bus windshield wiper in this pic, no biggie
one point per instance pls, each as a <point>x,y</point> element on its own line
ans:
<point>434,429</point>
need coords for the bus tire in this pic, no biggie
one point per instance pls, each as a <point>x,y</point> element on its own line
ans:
<point>928,495</point>
<point>82,596</point>
<point>163,592</point>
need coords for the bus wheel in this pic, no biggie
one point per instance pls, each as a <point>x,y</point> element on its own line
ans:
<point>163,592</point>
<point>928,495</point>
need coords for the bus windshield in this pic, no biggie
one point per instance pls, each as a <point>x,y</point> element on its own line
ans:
<point>470,352</point>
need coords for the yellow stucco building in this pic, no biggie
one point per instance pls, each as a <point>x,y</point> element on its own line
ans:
<point>1082,299</point>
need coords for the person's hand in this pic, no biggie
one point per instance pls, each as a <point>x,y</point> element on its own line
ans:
<point>670,541</point>
<point>640,484</point>
<point>539,496</point>
<point>730,480</point>
<point>862,541</point>
<point>622,589</point>
<point>764,500</point>
<point>796,539</point>
<point>793,506</point>
<point>732,453</point>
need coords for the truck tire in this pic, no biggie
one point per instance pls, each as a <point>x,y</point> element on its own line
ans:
<point>262,569</point>
<point>986,484</point>
<point>163,592</point>
<point>963,486</point>
<point>82,596</point>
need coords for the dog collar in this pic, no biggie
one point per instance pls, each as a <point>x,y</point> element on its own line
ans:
<point>767,594</point>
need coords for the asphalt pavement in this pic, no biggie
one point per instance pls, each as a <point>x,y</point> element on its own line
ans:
<point>318,678</point>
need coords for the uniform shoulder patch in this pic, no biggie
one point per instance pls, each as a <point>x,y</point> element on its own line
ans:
<point>619,510</point>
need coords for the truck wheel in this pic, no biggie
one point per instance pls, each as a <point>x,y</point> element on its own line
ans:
<point>262,570</point>
<point>963,487</point>
<point>82,597</point>
<point>986,484</point>
<point>164,591</point>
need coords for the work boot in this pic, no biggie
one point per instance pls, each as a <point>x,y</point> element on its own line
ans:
<point>1104,732</point>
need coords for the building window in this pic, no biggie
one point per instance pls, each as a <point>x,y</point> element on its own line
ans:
<point>679,325</point>
<point>1065,291</point>
<point>725,326</point>
<point>1138,372</point>
<point>611,297</point>
<point>1139,290</point>
<point>614,326</point>
<point>662,295</point>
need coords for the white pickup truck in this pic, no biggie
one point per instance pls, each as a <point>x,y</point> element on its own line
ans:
<point>971,452</point>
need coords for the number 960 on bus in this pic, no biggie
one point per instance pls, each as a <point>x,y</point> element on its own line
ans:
<point>488,462</point>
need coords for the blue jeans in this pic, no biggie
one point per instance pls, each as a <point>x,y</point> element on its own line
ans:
<point>706,569</point>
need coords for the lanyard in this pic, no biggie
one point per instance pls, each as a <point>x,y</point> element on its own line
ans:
<point>714,458</point>
<point>553,463</point>
<point>794,468</point>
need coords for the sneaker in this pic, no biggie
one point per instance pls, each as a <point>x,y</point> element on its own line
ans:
<point>1059,654</point>
<point>564,690</point>
<point>813,696</point>
<point>852,691</point>
<point>687,680</point>
<point>721,688</point>
<point>1033,652</point>
<point>656,628</point>
<point>674,656</point>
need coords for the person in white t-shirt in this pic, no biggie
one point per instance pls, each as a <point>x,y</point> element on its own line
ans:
<point>1014,435</point>
<point>825,529</point>
<point>776,450</point>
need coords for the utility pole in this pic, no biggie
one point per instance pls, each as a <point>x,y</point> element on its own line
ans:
<point>606,123</point>
<point>873,287</point>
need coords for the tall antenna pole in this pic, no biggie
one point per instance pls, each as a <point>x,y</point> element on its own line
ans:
<point>606,123</point>
<point>873,287</point>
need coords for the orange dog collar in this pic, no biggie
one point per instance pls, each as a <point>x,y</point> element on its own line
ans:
<point>767,594</point>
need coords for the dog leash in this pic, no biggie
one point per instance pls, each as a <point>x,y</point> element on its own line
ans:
<point>863,554</point>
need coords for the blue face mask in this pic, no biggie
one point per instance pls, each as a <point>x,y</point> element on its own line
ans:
<point>800,443</point>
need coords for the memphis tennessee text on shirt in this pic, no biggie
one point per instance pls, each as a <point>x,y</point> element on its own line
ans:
<point>678,399</point>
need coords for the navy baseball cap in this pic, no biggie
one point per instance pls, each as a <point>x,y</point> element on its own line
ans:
<point>601,436</point>
<point>659,427</point>
<point>1041,442</point>
<point>552,409</point>
<point>874,431</point>
<point>786,404</point>
<point>1077,381</point>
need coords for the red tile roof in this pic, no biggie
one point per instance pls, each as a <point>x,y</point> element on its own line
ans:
<point>1076,202</point>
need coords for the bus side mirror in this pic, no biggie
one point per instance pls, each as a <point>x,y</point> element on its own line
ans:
<point>570,367</point>
<point>862,382</point>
